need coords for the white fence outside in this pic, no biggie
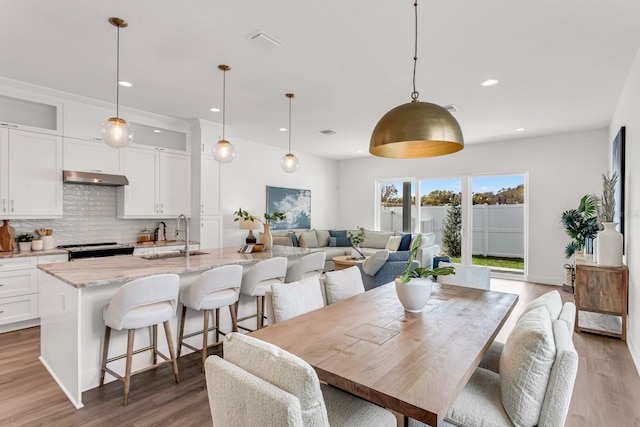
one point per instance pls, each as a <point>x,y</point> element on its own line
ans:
<point>498,230</point>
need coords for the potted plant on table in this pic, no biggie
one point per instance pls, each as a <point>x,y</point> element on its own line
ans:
<point>24,241</point>
<point>356,241</point>
<point>581,224</point>
<point>268,218</point>
<point>414,286</point>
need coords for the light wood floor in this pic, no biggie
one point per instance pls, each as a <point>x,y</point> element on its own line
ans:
<point>607,390</point>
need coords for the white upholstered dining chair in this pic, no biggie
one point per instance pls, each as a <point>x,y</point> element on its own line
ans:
<point>309,265</point>
<point>255,282</point>
<point>260,384</point>
<point>469,276</point>
<point>286,300</point>
<point>343,284</point>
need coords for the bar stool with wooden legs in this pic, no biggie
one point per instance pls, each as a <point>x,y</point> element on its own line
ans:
<point>212,290</point>
<point>141,303</point>
<point>255,282</point>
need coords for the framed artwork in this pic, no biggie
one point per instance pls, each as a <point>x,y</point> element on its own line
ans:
<point>295,203</point>
<point>617,166</point>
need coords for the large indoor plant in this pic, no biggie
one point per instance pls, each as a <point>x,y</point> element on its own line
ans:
<point>581,223</point>
<point>268,218</point>
<point>414,286</point>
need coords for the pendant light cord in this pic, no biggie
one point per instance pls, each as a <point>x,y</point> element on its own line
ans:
<point>224,100</point>
<point>415,94</point>
<point>290,124</point>
<point>118,75</point>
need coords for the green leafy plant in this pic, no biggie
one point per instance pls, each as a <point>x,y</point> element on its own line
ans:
<point>581,223</point>
<point>25,237</point>
<point>421,272</point>
<point>357,239</point>
<point>268,218</point>
<point>452,228</point>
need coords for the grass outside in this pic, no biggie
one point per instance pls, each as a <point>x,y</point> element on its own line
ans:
<point>497,262</point>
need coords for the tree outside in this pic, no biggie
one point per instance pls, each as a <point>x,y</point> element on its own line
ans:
<point>452,228</point>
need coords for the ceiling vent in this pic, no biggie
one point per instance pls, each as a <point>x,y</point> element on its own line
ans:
<point>264,40</point>
<point>328,132</point>
<point>451,108</point>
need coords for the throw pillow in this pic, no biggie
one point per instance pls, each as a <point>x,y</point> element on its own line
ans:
<point>339,241</point>
<point>399,256</point>
<point>308,239</point>
<point>376,239</point>
<point>323,237</point>
<point>525,366</point>
<point>279,239</point>
<point>405,243</point>
<point>296,298</point>
<point>294,239</point>
<point>375,262</point>
<point>343,284</point>
<point>393,243</point>
<point>338,233</point>
<point>551,300</point>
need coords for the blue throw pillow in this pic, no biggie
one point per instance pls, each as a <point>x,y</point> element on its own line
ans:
<point>294,239</point>
<point>338,233</point>
<point>399,256</point>
<point>339,241</point>
<point>405,243</point>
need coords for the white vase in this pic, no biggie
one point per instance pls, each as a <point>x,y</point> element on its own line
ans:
<point>609,246</point>
<point>415,294</point>
<point>595,250</point>
<point>356,254</point>
<point>24,246</point>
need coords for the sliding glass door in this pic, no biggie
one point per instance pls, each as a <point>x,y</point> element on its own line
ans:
<point>396,205</point>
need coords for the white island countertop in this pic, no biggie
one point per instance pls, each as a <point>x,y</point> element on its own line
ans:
<point>90,272</point>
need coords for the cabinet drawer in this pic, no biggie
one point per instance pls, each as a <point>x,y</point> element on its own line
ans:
<point>21,263</point>
<point>17,309</point>
<point>53,259</point>
<point>601,290</point>
<point>19,282</point>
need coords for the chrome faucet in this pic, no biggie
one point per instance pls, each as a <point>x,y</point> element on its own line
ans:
<point>185,231</point>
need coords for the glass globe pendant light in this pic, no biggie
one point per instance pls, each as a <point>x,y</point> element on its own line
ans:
<point>416,129</point>
<point>223,151</point>
<point>115,131</point>
<point>289,162</point>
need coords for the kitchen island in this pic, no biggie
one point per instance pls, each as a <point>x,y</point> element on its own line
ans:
<point>73,295</point>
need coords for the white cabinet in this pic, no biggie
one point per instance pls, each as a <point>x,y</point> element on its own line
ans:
<point>209,186</point>
<point>30,174</point>
<point>159,184</point>
<point>83,121</point>
<point>211,232</point>
<point>26,111</point>
<point>92,156</point>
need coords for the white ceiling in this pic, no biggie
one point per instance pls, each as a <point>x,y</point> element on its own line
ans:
<point>561,64</point>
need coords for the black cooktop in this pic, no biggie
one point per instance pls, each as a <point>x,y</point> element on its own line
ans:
<point>93,250</point>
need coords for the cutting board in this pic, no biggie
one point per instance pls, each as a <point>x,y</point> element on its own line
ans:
<point>6,237</point>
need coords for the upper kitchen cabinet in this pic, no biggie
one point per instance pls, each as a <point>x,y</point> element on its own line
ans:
<point>83,121</point>
<point>30,174</point>
<point>27,111</point>
<point>159,184</point>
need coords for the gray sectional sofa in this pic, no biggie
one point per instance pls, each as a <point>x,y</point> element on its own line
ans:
<point>321,240</point>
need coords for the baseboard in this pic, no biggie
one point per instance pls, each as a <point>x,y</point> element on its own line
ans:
<point>545,280</point>
<point>75,403</point>
<point>20,325</point>
<point>633,349</point>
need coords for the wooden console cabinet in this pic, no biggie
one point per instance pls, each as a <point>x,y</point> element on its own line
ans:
<point>601,299</point>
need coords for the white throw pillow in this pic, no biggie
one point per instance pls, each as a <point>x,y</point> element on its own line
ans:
<point>375,262</point>
<point>343,284</point>
<point>525,366</point>
<point>393,243</point>
<point>308,239</point>
<point>551,300</point>
<point>296,298</point>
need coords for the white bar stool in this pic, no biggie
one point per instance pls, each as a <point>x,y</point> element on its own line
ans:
<point>255,282</point>
<point>307,266</point>
<point>212,290</point>
<point>139,304</point>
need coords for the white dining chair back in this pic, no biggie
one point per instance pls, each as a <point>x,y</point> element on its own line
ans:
<point>343,284</point>
<point>307,266</point>
<point>468,276</point>
<point>287,300</point>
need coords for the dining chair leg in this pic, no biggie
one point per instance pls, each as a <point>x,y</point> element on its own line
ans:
<point>154,328</point>
<point>181,336</point>
<point>127,374</point>
<point>205,335</point>
<point>105,353</point>
<point>217,324</point>
<point>234,318</point>
<point>259,306</point>
<point>172,353</point>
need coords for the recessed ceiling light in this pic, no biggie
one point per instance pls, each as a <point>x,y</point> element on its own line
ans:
<point>157,131</point>
<point>489,82</point>
<point>124,83</point>
<point>358,151</point>
<point>519,129</point>
<point>214,109</point>
<point>282,129</point>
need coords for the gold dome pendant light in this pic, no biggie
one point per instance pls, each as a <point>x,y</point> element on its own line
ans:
<point>416,129</point>
<point>115,131</point>
<point>289,162</point>
<point>223,151</point>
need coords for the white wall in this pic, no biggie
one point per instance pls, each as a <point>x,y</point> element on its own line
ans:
<point>561,169</point>
<point>244,181</point>
<point>626,114</point>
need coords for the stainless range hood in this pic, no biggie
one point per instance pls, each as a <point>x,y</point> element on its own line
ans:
<point>93,178</point>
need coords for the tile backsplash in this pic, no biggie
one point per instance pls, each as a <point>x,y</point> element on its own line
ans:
<point>89,216</point>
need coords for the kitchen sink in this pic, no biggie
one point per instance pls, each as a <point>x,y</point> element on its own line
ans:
<point>172,255</point>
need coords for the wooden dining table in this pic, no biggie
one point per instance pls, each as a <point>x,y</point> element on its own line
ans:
<point>413,363</point>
